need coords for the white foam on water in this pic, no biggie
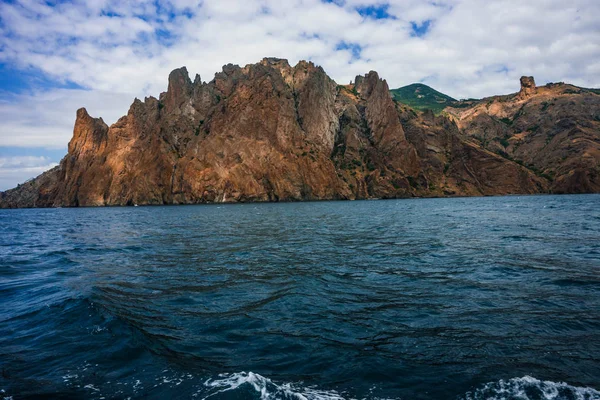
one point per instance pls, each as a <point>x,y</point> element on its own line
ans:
<point>91,387</point>
<point>69,377</point>
<point>267,389</point>
<point>4,395</point>
<point>528,388</point>
<point>523,388</point>
<point>97,329</point>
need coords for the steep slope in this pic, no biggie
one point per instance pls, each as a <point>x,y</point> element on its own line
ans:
<point>454,166</point>
<point>422,97</point>
<point>268,132</point>
<point>553,130</point>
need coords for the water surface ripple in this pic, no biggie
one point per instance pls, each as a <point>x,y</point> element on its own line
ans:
<point>471,298</point>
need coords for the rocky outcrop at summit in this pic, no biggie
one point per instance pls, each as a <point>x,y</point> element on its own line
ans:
<point>274,132</point>
<point>528,87</point>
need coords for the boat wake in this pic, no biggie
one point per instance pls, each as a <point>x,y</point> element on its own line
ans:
<point>251,384</point>
<point>528,388</point>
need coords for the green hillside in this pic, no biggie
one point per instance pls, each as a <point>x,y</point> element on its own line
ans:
<point>421,97</point>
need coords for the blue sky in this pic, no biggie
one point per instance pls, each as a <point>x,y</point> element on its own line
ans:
<point>57,56</point>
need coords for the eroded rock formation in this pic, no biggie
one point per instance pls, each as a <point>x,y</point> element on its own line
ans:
<point>528,87</point>
<point>553,130</point>
<point>273,132</point>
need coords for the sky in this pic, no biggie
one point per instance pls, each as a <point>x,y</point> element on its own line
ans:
<point>58,56</point>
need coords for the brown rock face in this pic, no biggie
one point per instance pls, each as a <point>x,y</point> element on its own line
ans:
<point>528,87</point>
<point>179,90</point>
<point>452,165</point>
<point>553,130</point>
<point>272,132</point>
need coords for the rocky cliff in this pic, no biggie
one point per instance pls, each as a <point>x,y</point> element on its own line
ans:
<point>553,130</point>
<point>273,132</point>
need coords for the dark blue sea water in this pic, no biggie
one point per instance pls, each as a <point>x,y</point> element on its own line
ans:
<point>471,298</point>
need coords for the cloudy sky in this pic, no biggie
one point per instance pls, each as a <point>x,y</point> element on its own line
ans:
<point>57,56</point>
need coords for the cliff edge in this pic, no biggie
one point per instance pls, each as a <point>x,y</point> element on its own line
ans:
<point>274,132</point>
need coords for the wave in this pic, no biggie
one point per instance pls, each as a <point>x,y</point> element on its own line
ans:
<point>267,389</point>
<point>252,385</point>
<point>96,323</point>
<point>528,388</point>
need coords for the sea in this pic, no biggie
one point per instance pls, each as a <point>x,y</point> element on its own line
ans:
<point>457,298</point>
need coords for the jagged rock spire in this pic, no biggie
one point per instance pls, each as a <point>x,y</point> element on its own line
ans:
<point>180,88</point>
<point>528,87</point>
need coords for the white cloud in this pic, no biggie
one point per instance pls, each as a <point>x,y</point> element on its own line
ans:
<point>131,47</point>
<point>127,53</point>
<point>23,162</point>
<point>118,50</point>
<point>46,119</point>
<point>21,169</point>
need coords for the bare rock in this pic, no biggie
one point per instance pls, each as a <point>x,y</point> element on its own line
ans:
<point>273,132</point>
<point>528,87</point>
<point>553,130</point>
<point>179,90</point>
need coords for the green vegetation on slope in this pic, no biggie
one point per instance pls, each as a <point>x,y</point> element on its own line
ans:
<point>596,91</point>
<point>421,97</point>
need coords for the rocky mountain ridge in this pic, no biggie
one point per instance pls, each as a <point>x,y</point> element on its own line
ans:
<point>553,130</point>
<point>273,132</point>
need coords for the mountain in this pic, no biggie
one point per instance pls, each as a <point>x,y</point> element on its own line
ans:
<point>272,132</point>
<point>422,97</point>
<point>553,130</point>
